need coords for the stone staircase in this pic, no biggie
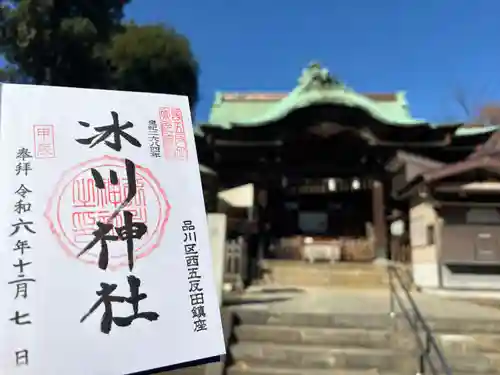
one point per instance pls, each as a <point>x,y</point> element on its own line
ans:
<point>340,324</point>
<point>338,275</point>
<point>319,344</point>
<point>312,344</point>
<point>471,346</point>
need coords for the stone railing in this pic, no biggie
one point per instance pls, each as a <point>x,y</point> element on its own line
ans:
<point>236,258</point>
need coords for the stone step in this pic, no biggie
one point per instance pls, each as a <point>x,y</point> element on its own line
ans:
<point>306,269</point>
<point>313,357</point>
<point>350,337</point>
<point>297,279</point>
<point>295,358</point>
<point>472,343</point>
<point>288,271</point>
<point>439,326</point>
<point>464,326</point>
<point>327,281</point>
<point>475,363</point>
<point>313,320</point>
<point>252,370</point>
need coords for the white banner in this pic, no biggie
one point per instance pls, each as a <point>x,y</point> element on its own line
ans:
<point>105,255</point>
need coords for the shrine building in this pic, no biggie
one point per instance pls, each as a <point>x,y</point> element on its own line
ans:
<point>327,164</point>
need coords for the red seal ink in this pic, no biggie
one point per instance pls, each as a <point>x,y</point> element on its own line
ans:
<point>173,133</point>
<point>44,141</point>
<point>77,205</point>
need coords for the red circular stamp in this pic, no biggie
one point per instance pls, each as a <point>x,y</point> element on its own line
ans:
<point>93,192</point>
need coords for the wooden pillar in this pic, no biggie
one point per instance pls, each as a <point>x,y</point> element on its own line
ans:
<point>211,191</point>
<point>379,219</point>
<point>261,199</point>
<point>258,239</point>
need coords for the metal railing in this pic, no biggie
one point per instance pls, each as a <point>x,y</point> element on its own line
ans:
<point>431,359</point>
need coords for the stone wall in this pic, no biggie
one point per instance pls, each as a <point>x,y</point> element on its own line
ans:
<point>425,256</point>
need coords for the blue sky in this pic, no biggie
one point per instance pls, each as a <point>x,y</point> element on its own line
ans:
<point>430,48</point>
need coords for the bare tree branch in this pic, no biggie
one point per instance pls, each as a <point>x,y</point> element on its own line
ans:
<point>474,107</point>
<point>462,101</point>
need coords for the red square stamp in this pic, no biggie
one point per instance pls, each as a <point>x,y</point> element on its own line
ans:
<point>173,134</point>
<point>43,136</point>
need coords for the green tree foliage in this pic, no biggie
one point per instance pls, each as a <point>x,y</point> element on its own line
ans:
<point>10,74</point>
<point>60,42</point>
<point>84,43</point>
<point>155,59</point>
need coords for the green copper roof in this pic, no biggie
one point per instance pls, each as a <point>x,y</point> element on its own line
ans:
<point>316,86</point>
<point>463,131</point>
<point>224,113</point>
<point>197,131</point>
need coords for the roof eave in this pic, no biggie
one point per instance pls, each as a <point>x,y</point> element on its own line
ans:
<point>281,113</point>
<point>403,157</point>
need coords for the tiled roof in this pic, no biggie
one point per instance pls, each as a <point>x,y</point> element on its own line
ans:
<point>275,96</point>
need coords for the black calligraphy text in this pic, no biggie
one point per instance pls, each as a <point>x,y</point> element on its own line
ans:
<point>107,298</point>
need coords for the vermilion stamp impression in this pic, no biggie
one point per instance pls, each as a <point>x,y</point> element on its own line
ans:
<point>79,203</point>
<point>44,145</point>
<point>173,133</point>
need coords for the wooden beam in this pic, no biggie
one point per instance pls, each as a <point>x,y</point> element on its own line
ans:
<point>295,171</point>
<point>469,188</point>
<point>440,203</point>
<point>234,143</point>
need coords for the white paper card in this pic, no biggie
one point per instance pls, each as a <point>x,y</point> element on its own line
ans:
<point>105,257</point>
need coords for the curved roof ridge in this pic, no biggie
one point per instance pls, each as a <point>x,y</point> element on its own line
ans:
<point>248,96</point>
<point>315,87</point>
